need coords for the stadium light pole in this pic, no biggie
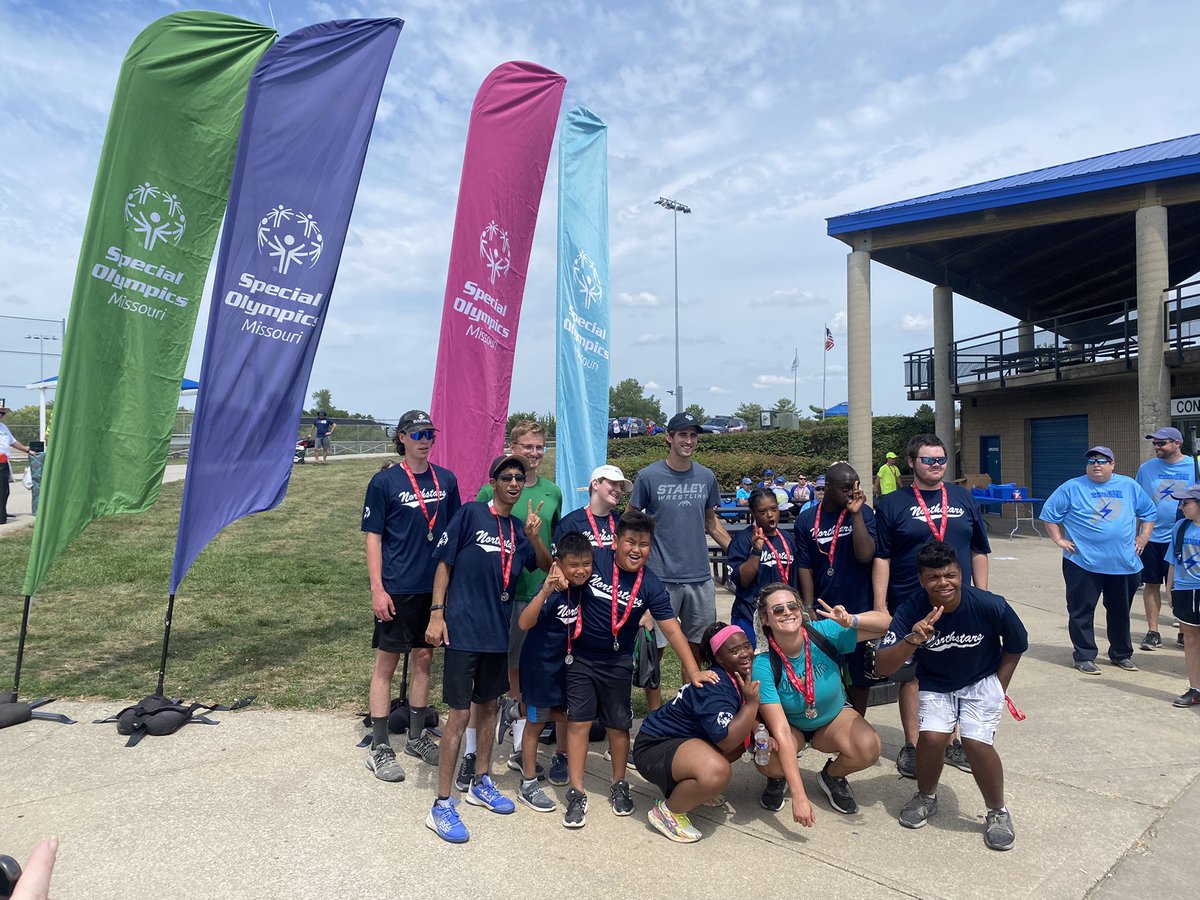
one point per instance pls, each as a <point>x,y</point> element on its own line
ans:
<point>41,339</point>
<point>676,208</point>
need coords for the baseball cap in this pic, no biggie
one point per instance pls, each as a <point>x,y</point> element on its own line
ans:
<point>747,481</point>
<point>612,473</point>
<point>681,422</point>
<point>779,479</point>
<point>1166,434</point>
<point>1188,493</point>
<point>1102,451</point>
<point>891,455</point>
<point>502,462</point>
<point>769,472</point>
<point>820,482</point>
<point>414,420</point>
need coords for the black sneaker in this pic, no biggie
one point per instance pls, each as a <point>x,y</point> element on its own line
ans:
<point>381,759</point>
<point>466,772</point>
<point>1152,641</point>
<point>838,791</point>
<point>618,796</point>
<point>906,761</point>
<point>772,795</point>
<point>576,814</point>
<point>423,749</point>
<point>1087,667</point>
<point>956,756</point>
<point>998,833</point>
<point>1190,697</point>
<point>514,763</point>
<point>558,770</point>
<point>509,712</point>
<point>917,811</point>
<point>1127,664</point>
<point>1179,639</point>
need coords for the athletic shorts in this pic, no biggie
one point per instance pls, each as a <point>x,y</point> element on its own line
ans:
<point>601,689</point>
<point>975,709</point>
<point>1154,563</point>
<point>321,442</point>
<point>469,677</point>
<point>654,758</point>
<point>407,629</point>
<point>1186,607</point>
<point>695,606</point>
<point>516,637</point>
<point>540,715</point>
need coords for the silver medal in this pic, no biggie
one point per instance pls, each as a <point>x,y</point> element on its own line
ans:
<point>504,596</point>
<point>616,644</point>
<point>570,658</point>
<point>429,537</point>
<point>830,572</point>
<point>810,713</point>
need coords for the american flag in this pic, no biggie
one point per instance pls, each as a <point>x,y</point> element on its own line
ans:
<point>828,339</point>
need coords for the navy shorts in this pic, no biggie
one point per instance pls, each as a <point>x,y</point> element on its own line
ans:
<point>1154,563</point>
<point>469,677</point>
<point>654,758</point>
<point>601,689</point>
<point>1186,607</point>
<point>406,630</point>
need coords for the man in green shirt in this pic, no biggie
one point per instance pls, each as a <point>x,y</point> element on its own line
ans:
<point>887,479</point>
<point>528,441</point>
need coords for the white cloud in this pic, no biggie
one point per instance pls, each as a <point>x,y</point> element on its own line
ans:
<point>762,382</point>
<point>916,323</point>
<point>652,386</point>
<point>643,340</point>
<point>642,298</point>
<point>786,298</point>
<point>719,390</point>
<point>838,323</point>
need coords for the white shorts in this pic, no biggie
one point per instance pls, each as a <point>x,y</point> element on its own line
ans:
<point>975,709</point>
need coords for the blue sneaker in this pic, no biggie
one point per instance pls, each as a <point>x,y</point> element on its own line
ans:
<point>443,820</point>
<point>558,769</point>
<point>484,793</point>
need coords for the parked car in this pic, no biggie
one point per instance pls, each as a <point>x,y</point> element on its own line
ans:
<point>723,425</point>
<point>631,426</point>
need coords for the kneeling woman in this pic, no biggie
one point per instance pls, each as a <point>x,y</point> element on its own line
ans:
<point>804,702</point>
<point>685,747</point>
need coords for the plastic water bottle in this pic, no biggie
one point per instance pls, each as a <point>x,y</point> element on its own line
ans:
<point>762,755</point>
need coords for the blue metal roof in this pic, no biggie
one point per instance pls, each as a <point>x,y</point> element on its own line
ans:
<point>1139,165</point>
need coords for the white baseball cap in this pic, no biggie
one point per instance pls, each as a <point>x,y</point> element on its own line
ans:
<point>612,473</point>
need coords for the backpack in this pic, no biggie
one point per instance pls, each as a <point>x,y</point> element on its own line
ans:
<point>398,718</point>
<point>1177,539</point>
<point>824,646</point>
<point>159,715</point>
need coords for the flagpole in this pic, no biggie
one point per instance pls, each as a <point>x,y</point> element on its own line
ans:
<point>824,353</point>
<point>794,368</point>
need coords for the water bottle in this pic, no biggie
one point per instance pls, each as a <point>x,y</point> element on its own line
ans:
<point>762,755</point>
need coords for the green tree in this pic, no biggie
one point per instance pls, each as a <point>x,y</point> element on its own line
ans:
<point>817,412</point>
<point>628,399</point>
<point>752,413</point>
<point>323,400</point>
<point>783,404</point>
<point>696,410</point>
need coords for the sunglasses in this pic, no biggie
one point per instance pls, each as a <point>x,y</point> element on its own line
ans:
<point>933,460</point>
<point>426,435</point>
<point>1098,461</point>
<point>512,476</point>
<point>780,608</point>
<point>1161,443</point>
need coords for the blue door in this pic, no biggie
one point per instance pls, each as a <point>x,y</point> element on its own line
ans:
<point>989,456</point>
<point>1057,446</point>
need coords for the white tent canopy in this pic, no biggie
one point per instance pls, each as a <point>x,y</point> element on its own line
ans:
<point>187,389</point>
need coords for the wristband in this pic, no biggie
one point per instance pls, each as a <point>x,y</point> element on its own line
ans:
<point>437,606</point>
<point>757,552</point>
<point>854,619</point>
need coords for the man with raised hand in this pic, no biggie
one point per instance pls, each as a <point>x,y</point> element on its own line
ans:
<point>905,520</point>
<point>682,497</point>
<point>481,555</point>
<point>1102,546</point>
<point>527,439</point>
<point>1164,477</point>
<point>405,514</point>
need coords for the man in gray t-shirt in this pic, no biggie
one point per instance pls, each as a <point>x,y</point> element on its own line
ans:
<point>682,497</point>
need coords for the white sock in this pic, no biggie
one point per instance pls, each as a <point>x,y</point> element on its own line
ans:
<point>518,732</point>
<point>471,737</point>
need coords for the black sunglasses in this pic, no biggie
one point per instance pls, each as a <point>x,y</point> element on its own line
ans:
<point>791,606</point>
<point>933,460</point>
<point>511,476</point>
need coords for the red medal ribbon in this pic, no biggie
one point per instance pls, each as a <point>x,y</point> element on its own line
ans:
<point>506,556</point>
<point>612,529</point>
<point>420,497</point>
<point>939,534</point>
<point>806,687</point>
<point>1012,709</point>
<point>637,583</point>
<point>578,619</point>
<point>837,530</point>
<point>783,557</point>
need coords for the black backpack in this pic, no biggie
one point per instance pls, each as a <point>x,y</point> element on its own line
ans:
<point>159,715</point>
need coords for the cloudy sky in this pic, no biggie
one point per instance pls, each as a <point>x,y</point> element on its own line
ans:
<point>765,118</point>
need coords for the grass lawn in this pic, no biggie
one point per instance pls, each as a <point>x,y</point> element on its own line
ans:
<point>277,605</point>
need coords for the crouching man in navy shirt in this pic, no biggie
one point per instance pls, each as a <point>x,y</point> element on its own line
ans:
<point>481,555</point>
<point>969,643</point>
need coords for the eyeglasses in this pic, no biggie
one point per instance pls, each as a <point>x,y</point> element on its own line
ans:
<point>1098,461</point>
<point>791,606</point>
<point>1161,443</point>
<point>512,476</point>
<point>533,448</point>
<point>426,435</point>
<point>933,460</point>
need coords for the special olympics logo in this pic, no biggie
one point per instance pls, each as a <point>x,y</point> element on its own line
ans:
<point>495,251</point>
<point>155,215</point>
<point>290,238</point>
<point>587,279</point>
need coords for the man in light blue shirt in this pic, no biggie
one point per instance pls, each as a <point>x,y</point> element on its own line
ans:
<point>1163,478</point>
<point>1102,549</point>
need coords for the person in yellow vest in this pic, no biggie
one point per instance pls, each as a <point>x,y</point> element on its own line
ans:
<point>887,479</point>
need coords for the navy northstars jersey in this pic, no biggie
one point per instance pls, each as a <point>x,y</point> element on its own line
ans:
<point>696,712</point>
<point>391,510</point>
<point>477,619</point>
<point>595,641</point>
<point>543,656</point>
<point>577,520</point>
<point>850,583</point>
<point>770,568</point>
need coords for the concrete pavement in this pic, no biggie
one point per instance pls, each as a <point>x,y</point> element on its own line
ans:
<point>1101,781</point>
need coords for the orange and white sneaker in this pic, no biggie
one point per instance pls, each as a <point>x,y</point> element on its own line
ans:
<point>675,826</point>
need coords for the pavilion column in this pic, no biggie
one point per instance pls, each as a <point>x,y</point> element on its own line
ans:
<point>1154,386</point>
<point>858,357</point>
<point>943,387</point>
<point>1025,337</point>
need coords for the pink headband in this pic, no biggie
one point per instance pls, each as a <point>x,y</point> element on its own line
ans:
<point>722,636</point>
